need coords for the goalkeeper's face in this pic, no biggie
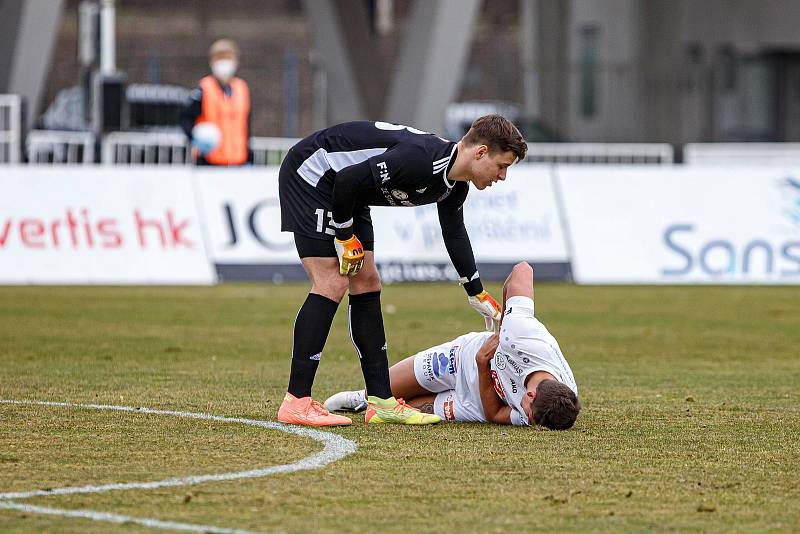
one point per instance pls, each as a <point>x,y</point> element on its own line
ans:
<point>488,168</point>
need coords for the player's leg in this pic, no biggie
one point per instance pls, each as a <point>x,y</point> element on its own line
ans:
<point>368,335</point>
<point>423,403</point>
<point>414,384</point>
<point>313,322</point>
<point>444,405</point>
<point>366,328</point>
<point>404,386</point>
<point>403,376</point>
<point>302,212</point>
<point>365,315</point>
<point>311,328</point>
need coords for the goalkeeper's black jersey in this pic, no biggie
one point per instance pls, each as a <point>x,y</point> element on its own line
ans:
<point>374,164</point>
<point>408,166</point>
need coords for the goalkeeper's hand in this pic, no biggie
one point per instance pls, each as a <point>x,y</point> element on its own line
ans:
<point>485,304</point>
<point>351,255</point>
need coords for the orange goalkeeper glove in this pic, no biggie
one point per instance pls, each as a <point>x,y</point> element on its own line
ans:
<point>351,255</point>
<point>485,304</point>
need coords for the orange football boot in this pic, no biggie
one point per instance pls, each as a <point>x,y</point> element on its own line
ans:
<point>308,412</point>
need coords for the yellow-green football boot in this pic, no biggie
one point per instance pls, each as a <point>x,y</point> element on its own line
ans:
<point>397,412</point>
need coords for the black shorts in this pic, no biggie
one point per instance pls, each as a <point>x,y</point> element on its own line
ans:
<point>309,247</point>
<point>307,211</point>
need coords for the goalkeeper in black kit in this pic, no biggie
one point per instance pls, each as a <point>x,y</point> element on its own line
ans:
<point>327,183</point>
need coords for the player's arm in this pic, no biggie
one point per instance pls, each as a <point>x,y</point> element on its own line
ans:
<point>347,183</point>
<point>459,248</point>
<point>519,283</point>
<point>493,408</point>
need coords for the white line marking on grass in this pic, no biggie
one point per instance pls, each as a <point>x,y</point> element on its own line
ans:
<point>121,519</point>
<point>336,448</point>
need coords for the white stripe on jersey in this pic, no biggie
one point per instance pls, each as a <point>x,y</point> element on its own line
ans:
<point>440,164</point>
<point>322,161</point>
<point>443,167</point>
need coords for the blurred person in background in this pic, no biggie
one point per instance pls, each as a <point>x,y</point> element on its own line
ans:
<point>217,116</point>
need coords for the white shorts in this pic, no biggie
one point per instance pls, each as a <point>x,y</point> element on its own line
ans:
<point>450,370</point>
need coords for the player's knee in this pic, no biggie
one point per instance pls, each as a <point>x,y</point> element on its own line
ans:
<point>367,281</point>
<point>332,287</point>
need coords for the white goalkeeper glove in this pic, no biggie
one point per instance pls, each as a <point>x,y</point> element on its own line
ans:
<point>485,304</point>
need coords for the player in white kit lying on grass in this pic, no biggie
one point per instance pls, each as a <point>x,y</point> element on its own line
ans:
<point>517,376</point>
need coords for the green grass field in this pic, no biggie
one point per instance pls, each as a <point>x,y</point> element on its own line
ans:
<point>690,420</point>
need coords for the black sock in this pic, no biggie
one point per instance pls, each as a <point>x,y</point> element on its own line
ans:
<point>310,333</point>
<point>366,331</point>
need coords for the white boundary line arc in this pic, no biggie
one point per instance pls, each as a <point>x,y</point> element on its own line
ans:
<point>336,448</point>
<point>120,519</point>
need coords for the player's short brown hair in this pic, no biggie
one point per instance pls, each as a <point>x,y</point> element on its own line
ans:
<point>555,406</point>
<point>497,133</point>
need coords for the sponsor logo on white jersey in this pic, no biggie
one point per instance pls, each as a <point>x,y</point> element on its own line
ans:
<point>448,409</point>
<point>502,359</point>
<point>444,364</point>
<point>498,387</point>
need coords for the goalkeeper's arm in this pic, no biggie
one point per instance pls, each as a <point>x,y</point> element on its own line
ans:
<point>346,185</point>
<point>458,246</point>
<point>456,240</point>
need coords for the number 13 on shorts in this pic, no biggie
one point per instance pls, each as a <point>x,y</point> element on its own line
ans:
<point>321,226</point>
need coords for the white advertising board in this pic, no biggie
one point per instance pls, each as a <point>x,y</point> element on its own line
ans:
<point>512,221</point>
<point>683,225</point>
<point>242,215</point>
<point>99,225</point>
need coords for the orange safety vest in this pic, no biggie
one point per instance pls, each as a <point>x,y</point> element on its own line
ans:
<point>230,114</point>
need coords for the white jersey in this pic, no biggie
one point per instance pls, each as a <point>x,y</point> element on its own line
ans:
<point>525,347</point>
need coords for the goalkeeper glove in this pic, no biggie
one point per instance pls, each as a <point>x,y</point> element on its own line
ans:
<point>485,304</point>
<point>351,255</point>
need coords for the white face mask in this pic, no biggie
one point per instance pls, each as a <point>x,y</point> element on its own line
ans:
<point>224,69</point>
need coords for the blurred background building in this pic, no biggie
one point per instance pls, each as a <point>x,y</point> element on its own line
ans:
<point>633,71</point>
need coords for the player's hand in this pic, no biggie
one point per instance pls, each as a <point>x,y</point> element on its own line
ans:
<point>351,255</point>
<point>487,350</point>
<point>485,304</point>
